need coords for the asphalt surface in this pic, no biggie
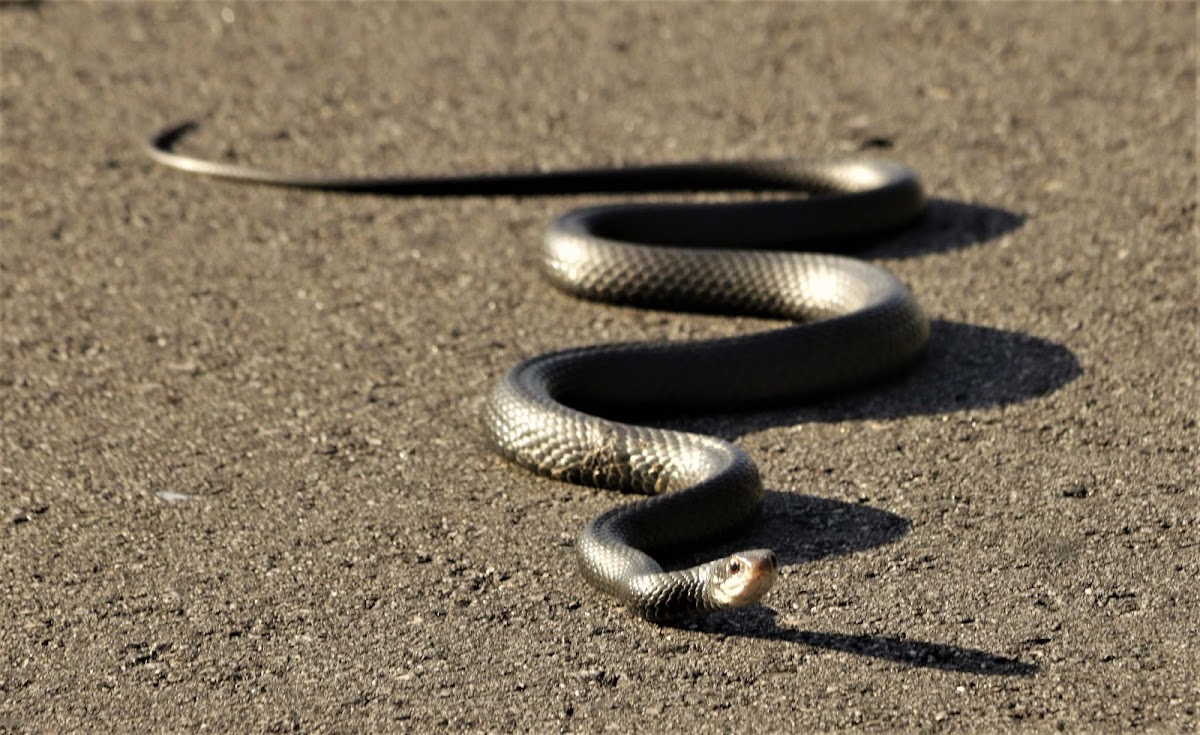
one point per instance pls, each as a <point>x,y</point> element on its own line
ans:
<point>243,479</point>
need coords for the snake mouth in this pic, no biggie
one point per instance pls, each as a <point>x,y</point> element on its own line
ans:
<point>747,576</point>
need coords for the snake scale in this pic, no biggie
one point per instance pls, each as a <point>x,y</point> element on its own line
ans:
<point>854,323</point>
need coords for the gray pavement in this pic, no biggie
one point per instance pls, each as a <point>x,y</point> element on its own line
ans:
<point>243,481</point>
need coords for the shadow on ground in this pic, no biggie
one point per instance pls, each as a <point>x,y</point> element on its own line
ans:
<point>817,528</point>
<point>805,528</point>
<point>762,622</point>
<point>947,225</point>
<point>965,367</point>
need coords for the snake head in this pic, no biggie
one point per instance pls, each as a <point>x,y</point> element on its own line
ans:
<point>743,578</point>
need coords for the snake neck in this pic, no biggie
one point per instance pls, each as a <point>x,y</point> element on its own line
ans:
<point>639,583</point>
<point>672,595</point>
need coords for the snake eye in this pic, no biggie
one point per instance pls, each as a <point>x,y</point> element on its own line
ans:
<point>735,566</point>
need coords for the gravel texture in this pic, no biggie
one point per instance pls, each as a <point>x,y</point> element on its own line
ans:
<point>243,480</point>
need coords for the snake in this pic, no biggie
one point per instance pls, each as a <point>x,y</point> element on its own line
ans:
<point>567,414</point>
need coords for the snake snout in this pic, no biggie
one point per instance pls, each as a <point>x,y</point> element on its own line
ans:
<point>745,578</point>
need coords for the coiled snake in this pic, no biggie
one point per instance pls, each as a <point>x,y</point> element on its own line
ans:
<point>856,323</point>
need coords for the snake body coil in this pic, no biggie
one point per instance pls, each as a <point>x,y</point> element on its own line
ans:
<point>856,323</point>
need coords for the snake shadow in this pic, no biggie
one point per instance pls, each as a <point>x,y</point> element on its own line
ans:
<point>946,225</point>
<point>804,528</point>
<point>965,367</point>
<point>762,623</point>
